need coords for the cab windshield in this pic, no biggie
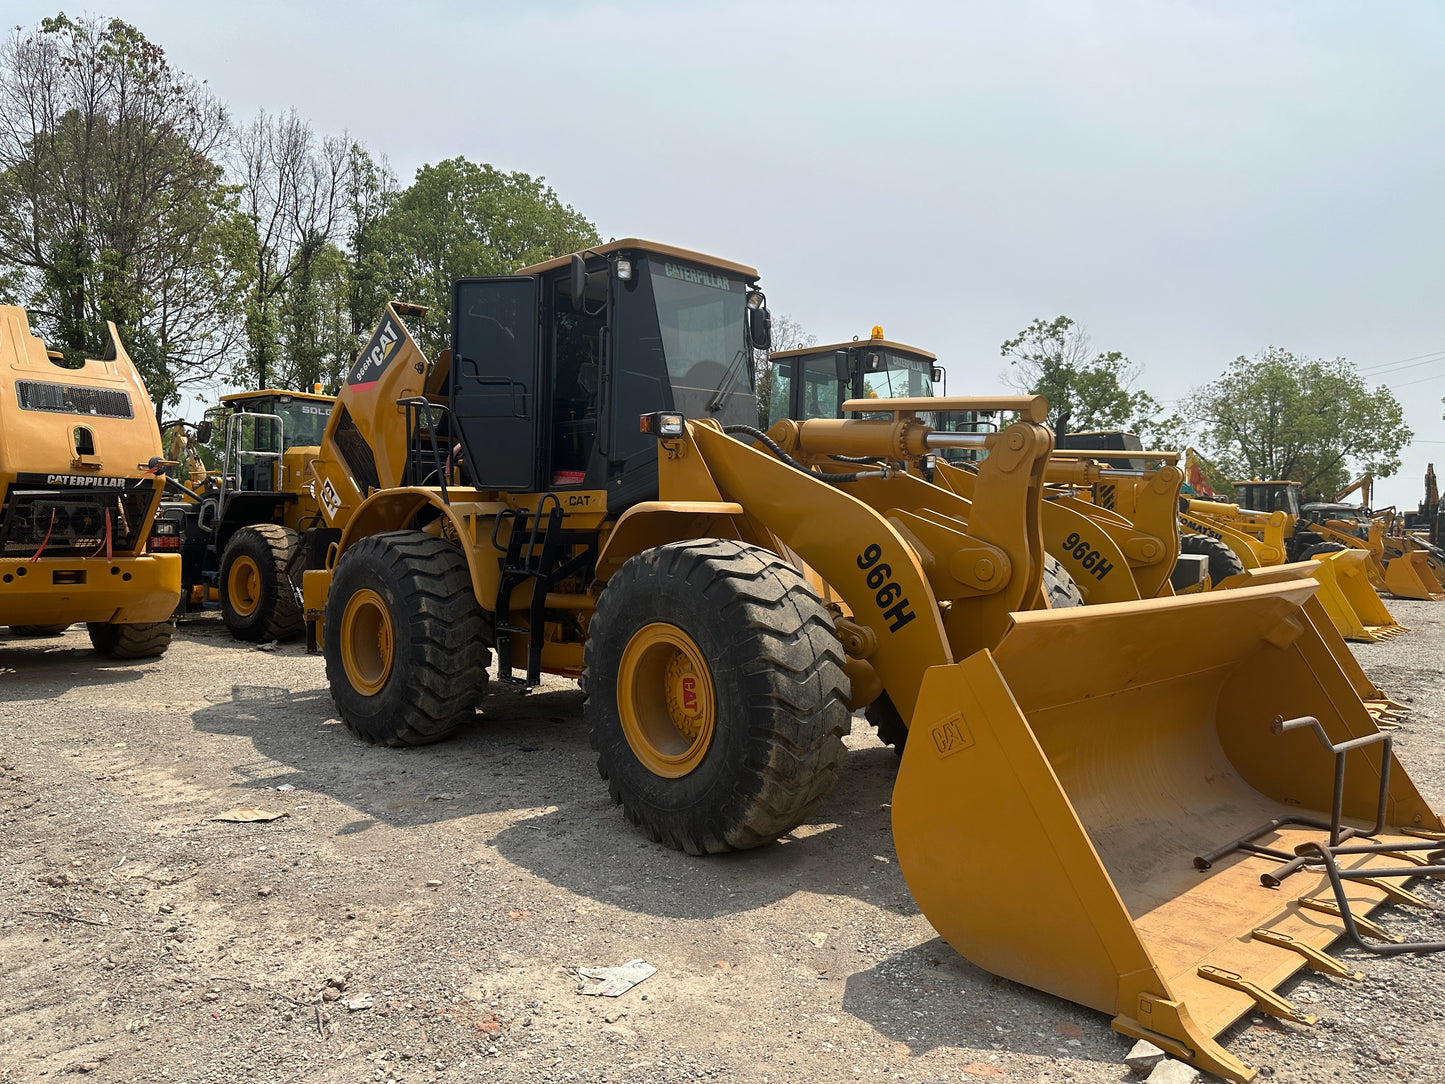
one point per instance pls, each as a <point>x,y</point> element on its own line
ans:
<point>902,377</point>
<point>701,317</point>
<point>303,421</point>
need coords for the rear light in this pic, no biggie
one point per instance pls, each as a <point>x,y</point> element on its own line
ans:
<point>165,535</point>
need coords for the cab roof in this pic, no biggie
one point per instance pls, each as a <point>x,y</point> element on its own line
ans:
<point>638,244</point>
<point>246,396</point>
<point>856,344</point>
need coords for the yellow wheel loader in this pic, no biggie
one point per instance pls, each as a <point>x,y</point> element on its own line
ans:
<point>580,487</point>
<point>1275,533</point>
<point>241,526</point>
<point>80,461</point>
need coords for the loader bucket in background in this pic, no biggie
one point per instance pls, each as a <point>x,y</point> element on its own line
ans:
<point>1410,576</point>
<point>1353,605</point>
<point>1055,794</point>
<point>1384,708</point>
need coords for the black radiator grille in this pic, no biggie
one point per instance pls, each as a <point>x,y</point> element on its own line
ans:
<point>73,399</point>
<point>73,517</point>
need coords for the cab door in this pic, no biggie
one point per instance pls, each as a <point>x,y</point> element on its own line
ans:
<point>496,381</point>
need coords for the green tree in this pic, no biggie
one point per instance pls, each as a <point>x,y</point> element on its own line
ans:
<point>1286,416</point>
<point>461,218</point>
<point>112,202</point>
<point>1054,358</point>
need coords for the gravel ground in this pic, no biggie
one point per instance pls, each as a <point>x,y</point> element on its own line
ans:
<point>459,887</point>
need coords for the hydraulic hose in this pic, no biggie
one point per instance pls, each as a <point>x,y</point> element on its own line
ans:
<point>773,446</point>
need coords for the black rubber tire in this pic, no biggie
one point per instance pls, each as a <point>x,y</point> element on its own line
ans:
<point>276,615</point>
<point>1322,547</point>
<point>780,694</point>
<point>438,671</point>
<point>145,641</point>
<point>38,630</point>
<point>1059,587</point>
<point>1223,561</point>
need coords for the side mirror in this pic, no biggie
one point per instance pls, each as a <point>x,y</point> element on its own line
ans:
<point>578,282</point>
<point>842,366</point>
<point>760,328</point>
<point>939,376</point>
<point>203,432</point>
<point>872,363</point>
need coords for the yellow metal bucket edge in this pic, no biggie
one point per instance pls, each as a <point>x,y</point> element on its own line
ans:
<point>1055,792</point>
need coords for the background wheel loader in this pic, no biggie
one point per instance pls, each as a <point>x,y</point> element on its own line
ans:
<point>80,455</point>
<point>1103,802</point>
<point>241,525</point>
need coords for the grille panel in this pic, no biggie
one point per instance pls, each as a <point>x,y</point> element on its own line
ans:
<point>73,399</point>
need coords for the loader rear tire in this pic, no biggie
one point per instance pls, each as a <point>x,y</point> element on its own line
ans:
<point>1223,561</point>
<point>38,630</point>
<point>716,696</point>
<point>404,651</point>
<point>1059,586</point>
<point>258,602</point>
<point>886,718</point>
<point>145,641</point>
<point>1322,547</point>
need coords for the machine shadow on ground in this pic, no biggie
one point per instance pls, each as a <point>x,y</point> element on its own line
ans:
<point>530,755</point>
<point>929,996</point>
<point>27,664</point>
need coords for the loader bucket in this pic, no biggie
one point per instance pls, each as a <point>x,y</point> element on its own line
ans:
<point>1353,605</point>
<point>1056,792</point>
<point>1384,708</point>
<point>1410,576</point>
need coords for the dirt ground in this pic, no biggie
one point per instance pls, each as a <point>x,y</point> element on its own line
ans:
<point>420,915</point>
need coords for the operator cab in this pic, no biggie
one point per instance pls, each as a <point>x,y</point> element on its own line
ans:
<point>261,425</point>
<point>552,367</point>
<point>815,381</point>
<point>1273,496</point>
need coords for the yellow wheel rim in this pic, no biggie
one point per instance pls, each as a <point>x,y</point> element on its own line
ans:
<point>368,644</point>
<point>666,700</point>
<point>243,586</point>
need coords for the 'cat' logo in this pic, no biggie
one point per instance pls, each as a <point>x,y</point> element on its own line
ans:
<point>689,694</point>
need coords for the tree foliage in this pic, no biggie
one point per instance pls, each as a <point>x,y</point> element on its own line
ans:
<point>263,256</point>
<point>1054,358</point>
<point>460,218</point>
<point>113,204</point>
<point>1281,415</point>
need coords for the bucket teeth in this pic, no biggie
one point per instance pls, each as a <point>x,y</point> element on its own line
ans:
<point>1314,958</point>
<point>1267,1000</point>
<point>1329,907</point>
<point>1395,892</point>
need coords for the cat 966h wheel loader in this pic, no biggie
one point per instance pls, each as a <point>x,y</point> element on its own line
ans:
<point>1094,801</point>
<point>80,453</point>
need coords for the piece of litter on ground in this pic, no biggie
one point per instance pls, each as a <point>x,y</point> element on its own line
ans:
<point>285,787</point>
<point>817,939</point>
<point>265,647</point>
<point>441,797</point>
<point>246,815</point>
<point>356,1004</point>
<point>271,694</point>
<point>614,981</point>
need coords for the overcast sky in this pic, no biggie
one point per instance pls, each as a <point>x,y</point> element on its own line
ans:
<point>1190,181</point>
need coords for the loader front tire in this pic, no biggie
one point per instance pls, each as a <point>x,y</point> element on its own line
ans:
<point>38,630</point>
<point>1223,561</point>
<point>716,696</point>
<point>404,651</point>
<point>1322,548</point>
<point>144,641</point>
<point>258,602</point>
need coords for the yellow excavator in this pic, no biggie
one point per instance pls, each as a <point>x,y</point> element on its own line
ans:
<point>580,486</point>
<point>80,462</point>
